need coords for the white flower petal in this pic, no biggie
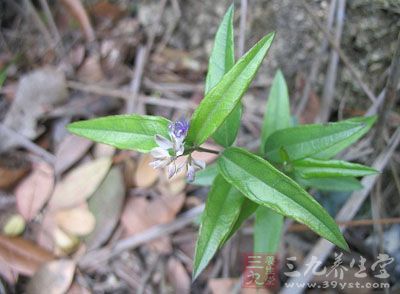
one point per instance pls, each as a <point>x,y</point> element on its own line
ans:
<point>163,142</point>
<point>159,153</point>
<point>179,150</point>
<point>190,173</point>
<point>199,164</point>
<point>171,170</point>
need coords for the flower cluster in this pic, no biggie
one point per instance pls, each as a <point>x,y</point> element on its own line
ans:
<point>168,151</point>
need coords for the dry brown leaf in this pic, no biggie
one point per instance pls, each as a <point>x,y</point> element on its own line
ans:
<point>106,11</point>
<point>71,149</point>
<point>33,192</point>
<point>8,273</point>
<point>178,276</point>
<point>54,277</point>
<point>79,184</point>
<point>129,172</point>
<point>77,221</point>
<point>141,213</point>
<point>12,168</point>
<point>65,243</point>
<point>77,289</point>
<point>145,175</point>
<point>222,286</point>
<point>22,255</point>
<point>103,150</point>
<point>106,205</point>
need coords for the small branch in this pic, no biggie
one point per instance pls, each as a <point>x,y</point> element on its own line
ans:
<point>140,61</point>
<point>201,149</point>
<point>47,156</point>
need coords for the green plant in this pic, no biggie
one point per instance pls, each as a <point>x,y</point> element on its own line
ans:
<point>270,183</point>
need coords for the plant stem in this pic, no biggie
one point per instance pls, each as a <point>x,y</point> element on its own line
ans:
<point>201,149</point>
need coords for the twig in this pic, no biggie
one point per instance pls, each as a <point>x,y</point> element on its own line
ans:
<point>322,249</point>
<point>38,22</point>
<point>95,257</point>
<point>52,25</point>
<point>47,156</point>
<point>390,95</point>
<point>115,93</point>
<point>140,61</point>
<point>330,80</point>
<point>242,30</point>
<point>346,61</point>
<point>317,62</point>
<point>77,10</point>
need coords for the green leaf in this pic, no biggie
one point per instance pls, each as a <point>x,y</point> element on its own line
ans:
<point>223,98</point>
<point>330,184</point>
<point>335,149</point>
<point>226,134</point>
<point>316,168</point>
<point>306,140</point>
<point>247,209</point>
<point>222,56</point>
<point>133,132</point>
<point>206,176</point>
<point>277,112</point>
<point>264,184</point>
<point>267,230</point>
<point>221,61</point>
<point>221,211</point>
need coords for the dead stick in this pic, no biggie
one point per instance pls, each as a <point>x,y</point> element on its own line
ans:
<point>346,61</point>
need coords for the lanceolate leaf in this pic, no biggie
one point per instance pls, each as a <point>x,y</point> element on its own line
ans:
<point>305,141</point>
<point>222,56</point>
<point>133,132</point>
<point>267,230</point>
<point>246,210</point>
<point>339,146</point>
<point>221,211</point>
<point>223,98</point>
<point>277,113</point>
<point>316,168</point>
<point>268,223</point>
<point>264,184</point>
<point>330,184</point>
<point>221,61</point>
<point>206,176</point>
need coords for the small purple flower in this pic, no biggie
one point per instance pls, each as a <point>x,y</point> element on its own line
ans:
<point>162,157</point>
<point>179,129</point>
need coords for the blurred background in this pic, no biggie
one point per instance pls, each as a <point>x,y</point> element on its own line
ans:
<point>80,217</point>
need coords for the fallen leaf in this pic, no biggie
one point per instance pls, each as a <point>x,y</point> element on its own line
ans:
<point>145,175</point>
<point>178,276</point>
<point>103,150</point>
<point>13,166</point>
<point>141,213</point>
<point>77,289</point>
<point>54,277</point>
<point>222,286</point>
<point>106,205</point>
<point>71,149</point>
<point>33,192</point>
<point>129,171</point>
<point>106,12</point>
<point>38,92</point>
<point>65,243</point>
<point>79,184</point>
<point>14,226</point>
<point>22,255</point>
<point>8,273</point>
<point>78,221</point>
